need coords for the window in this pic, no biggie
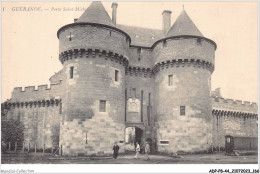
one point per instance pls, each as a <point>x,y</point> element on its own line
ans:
<point>133,93</point>
<point>116,75</point>
<point>199,41</point>
<point>149,109</point>
<point>60,112</point>
<point>102,106</point>
<point>164,142</point>
<point>139,50</point>
<point>139,53</point>
<point>70,37</point>
<point>164,43</point>
<point>170,77</point>
<point>182,110</point>
<point>110,33</point>
<point>149,99</point>
<point>71,72</point>
<point>86,138</point>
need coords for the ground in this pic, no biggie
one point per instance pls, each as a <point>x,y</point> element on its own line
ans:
<point>215,158</point>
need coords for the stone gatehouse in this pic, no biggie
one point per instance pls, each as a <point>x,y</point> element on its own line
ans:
<point>116,76</point>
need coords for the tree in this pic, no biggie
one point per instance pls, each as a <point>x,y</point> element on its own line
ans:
<point>11,130</point>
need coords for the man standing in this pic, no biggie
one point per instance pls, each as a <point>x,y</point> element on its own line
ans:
<point>147,150</point>
<point>115,149</point>
<point>137,149</point>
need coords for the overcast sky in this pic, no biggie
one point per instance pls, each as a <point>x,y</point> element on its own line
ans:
<point>30,44</point>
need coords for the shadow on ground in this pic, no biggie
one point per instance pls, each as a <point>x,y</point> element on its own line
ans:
<point>215,158</point>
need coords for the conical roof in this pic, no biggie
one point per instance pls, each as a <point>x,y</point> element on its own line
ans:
<point>184,26</point>
<point>96,13</point>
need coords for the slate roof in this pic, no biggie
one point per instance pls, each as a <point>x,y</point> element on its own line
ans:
<point>184,26</point>
<point>142,36</point>
<point>145,37</point>
<point>96,13</point>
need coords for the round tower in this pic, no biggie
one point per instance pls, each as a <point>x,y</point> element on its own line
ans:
<point>94,55</point>
<point>184,62</point>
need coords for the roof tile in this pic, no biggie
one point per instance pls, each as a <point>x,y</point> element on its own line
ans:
<point>142,36</point>
<point>184,26</point>
<point>96,13</point>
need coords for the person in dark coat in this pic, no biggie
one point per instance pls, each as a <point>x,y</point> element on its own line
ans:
<point>115,149</point>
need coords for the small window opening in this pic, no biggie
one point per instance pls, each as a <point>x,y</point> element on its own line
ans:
<point>149,99</point>
<point>70,37</point>
<point>71,72</point>
<point>102,106</point>
<point>110,33</point>
<point>139,53</point>
<point>199,41</point>
<point>164,43</point>
<point>133,93</point>
<point>60,108</point>
<point>86,138</point>
<point>149,108</point>
<point>164,142</point>
<point>182,110</point>
<point>116,75</point>
<point>170,80</point>
<point>139,50</point>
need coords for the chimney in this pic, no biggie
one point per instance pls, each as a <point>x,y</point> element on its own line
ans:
<point>218,93</point>
<point>166,25</point>
<point>114,8</point>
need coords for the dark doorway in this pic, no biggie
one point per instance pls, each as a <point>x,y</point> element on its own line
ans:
<point>133,135</point>
<point>138,135</point>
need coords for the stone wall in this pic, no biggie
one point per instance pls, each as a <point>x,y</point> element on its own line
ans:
<point>184,48</point>
<point>93,80</point>
<point>141,57</point>
<point>189,89</point>
<point>95,136</point>
<point>41,122</point>
<point>145,84</point>
<point>32,93</point>
<point>235,118</point>
<point>56,78</point>
<point>93,37</point>
<point>39,110</point>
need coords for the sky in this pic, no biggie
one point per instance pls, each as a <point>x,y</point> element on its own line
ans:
<point>30,45</point>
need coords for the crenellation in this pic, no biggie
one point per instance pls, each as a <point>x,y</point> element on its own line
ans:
<point>233,104</point>
<point>229,101</point>
<point>238,102</point>
<point>17,89</point>
<point>254,105</point>
<point>42,87</point>
<point>246,103</point>
<point>29,88</point>
<point>221,100</point>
